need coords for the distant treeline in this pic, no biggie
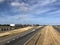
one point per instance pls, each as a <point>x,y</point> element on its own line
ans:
<point>7,27</point>
<point>20,25</point>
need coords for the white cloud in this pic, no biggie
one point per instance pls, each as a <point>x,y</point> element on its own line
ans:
<point>25,7</point>
<point>2,1</point>
<point>21,6</point>
<point>38,12</point>
<point>45,2</point>
<point>55,13</point>
<point>41,6</point>
<point>41,3</point>
<point>22,16</point>
<point>15,4</point>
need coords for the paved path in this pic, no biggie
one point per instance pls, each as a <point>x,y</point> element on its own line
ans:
<point>49,36</point>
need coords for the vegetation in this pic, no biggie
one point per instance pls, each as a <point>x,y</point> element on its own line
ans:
<point>57,27</point>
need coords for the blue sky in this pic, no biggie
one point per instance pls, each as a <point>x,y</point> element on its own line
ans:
<point>30,11</point>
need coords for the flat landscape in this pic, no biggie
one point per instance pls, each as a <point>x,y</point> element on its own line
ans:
<point>31,35</point>
<point>29,22</point>
<point>14,31</point>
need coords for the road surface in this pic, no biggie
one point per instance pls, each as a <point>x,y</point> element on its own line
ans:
<point>43,36</point>
<point>48,36</point>
<point>11,35</point>
<point>21,38</point>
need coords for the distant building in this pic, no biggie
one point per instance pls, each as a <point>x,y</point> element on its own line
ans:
<point>12,24</point>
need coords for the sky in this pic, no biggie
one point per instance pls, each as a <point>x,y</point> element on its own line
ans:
<point>30,12</point>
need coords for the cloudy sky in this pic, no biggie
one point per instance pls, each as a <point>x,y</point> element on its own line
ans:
<point>30,11</point>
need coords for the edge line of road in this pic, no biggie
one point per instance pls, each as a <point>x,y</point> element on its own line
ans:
<point>29,39</point>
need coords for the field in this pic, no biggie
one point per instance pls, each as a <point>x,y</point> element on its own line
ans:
<point>15,31</point>
<point>57,27</point>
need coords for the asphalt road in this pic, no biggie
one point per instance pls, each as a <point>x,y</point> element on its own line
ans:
<point>19,39</point>
<point>49,36</point>
<point>22,40</point>
<point>9,38</point>
<point>46,36</point>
